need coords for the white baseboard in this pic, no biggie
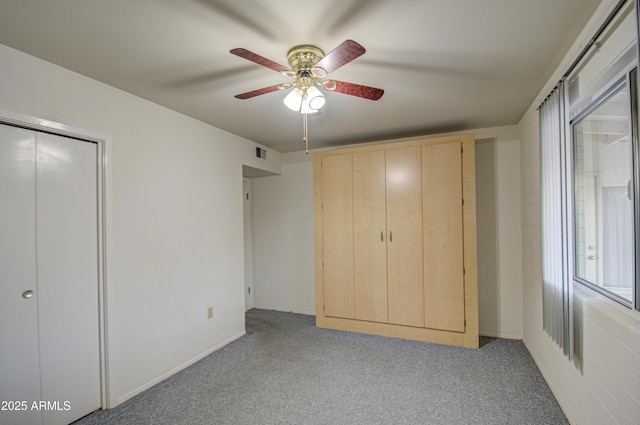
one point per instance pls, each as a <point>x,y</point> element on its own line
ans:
<point>173,371</point>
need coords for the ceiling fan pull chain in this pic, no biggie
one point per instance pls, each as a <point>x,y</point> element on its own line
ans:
<point>305,137</point>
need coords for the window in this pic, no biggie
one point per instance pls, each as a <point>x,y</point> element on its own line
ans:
<point>602,164</point>
<point>604,195</point>
<point>590,176</point>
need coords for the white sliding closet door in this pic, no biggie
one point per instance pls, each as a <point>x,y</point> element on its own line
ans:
<point>50,246</point>
<point>19,358</point>
<point>67,264</point>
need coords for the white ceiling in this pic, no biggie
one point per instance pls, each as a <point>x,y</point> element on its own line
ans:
<point>445,65</point>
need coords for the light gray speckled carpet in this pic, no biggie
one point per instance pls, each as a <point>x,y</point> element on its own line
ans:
<point>287,371</point>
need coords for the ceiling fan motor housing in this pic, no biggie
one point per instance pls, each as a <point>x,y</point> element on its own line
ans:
<point>302,59</point>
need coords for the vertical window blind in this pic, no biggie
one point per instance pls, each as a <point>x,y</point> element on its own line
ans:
<point>556,289</point>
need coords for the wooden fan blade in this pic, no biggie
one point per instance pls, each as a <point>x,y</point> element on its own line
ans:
<point>365,92</point>
<point>341,55</point>
<point>260,60</point>
<point>254,93</point>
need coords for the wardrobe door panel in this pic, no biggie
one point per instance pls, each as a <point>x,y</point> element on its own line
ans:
<point>337,235</point>
<point>369,222</point>
<point>443,237</point>
<point>404,247</point>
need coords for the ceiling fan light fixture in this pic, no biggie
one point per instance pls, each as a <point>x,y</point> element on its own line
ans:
<point>293,100</point>
<point>306,108</point>
<point>313,100</point>
<point>317,102</point>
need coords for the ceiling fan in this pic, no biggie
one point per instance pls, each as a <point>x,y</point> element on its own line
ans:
<point>308,65</point>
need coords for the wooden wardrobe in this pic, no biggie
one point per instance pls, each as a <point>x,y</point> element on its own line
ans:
<point>395,240</point>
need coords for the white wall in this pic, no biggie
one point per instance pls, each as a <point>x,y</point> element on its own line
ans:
<point>176,238</point>
<point>283,238</point>
<point>283,234</point>
<point>499,241</point>
<point>604,386</point>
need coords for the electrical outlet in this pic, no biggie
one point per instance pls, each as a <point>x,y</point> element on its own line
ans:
<point>209,312</point>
